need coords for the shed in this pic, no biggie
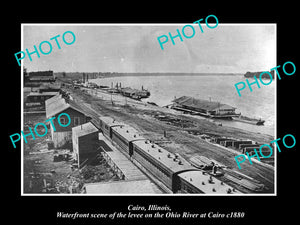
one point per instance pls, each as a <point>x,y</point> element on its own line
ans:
<point>85,142</point>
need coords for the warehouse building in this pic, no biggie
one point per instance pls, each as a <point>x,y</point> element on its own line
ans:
<point>57,105</point>
<point>204,107</point>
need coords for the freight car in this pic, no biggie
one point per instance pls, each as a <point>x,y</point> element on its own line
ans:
<point>175,172</point>
<point>125,136</point>
<point>106,124</point>
<point>161,163</point>
<point>195,181</point>
<point>171,169</point>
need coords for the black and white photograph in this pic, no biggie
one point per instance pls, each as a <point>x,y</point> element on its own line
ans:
<point>142,119</point>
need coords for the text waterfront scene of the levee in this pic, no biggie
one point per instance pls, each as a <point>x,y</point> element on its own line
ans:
<point>218,88</point>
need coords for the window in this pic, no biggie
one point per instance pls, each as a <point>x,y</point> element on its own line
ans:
<point>63,120</point>
<point>76,121</point>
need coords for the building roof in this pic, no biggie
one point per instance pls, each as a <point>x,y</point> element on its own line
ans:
<point>121,187</point>
<point>201,179</point>
<point>201,104</point>
<point>41,73</point>
<point>45,87</point>
<point>172,161</point>
<point>53,99</point>
<point>58,104</point>
<point>84,129</point>
<point>41,78</point>
<point>52,93</point>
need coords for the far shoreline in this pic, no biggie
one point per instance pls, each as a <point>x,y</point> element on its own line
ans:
<point>94,75</point>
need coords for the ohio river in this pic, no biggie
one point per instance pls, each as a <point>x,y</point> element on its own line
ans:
<point>258,104</point>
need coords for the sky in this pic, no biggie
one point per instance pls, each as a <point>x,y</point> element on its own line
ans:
<point>228,48</point>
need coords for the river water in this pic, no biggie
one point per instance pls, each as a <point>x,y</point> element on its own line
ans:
<point>258,104</point>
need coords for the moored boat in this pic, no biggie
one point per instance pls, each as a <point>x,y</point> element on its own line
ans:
<point>249,120</point>
<point>134,93</point>
<point>214,110</point>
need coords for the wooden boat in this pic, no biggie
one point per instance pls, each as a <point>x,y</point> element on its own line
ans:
<point>249,120</point>
<point>152,103</point>
<point>134,93</point>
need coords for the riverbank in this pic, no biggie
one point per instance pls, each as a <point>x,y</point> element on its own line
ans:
<point>165,89</point>
<point>173,135</point>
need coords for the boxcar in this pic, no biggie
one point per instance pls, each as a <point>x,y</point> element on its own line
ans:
<point>124,136</point>
<point>160,162</point>
<point>106,123</point>
<point>202,182</point>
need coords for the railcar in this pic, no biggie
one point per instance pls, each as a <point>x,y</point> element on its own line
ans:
<point>124,136</point>
<point>201,182</point>
<point>160,162</point>
<point>171,169</point>
<point>107,123</point>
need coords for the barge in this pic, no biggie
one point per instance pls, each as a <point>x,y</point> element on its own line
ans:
<point>249,120</point>
<point>210,109</point>
<point>134,93</point>
<point>214,110</point>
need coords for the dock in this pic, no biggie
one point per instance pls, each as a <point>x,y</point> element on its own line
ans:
<point>204,108</point>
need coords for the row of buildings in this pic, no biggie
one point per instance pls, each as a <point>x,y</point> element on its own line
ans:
<point>33,79</point>
<point>40,86</point>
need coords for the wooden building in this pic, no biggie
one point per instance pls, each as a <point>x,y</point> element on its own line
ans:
<point>50,87</point>
<point>38,77</point>
<point>39,97</point>
<point>57,105</point>
<point>85,142</point>
<point>204,107</point>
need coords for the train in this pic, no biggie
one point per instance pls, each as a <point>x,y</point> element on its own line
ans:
<point>176,173</point>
